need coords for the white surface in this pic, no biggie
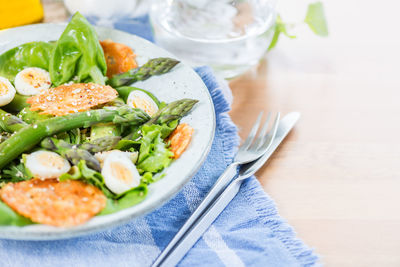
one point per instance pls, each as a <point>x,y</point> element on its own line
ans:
<point>182,82</point>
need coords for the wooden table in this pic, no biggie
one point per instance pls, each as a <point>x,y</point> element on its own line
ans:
<point>336,179</point>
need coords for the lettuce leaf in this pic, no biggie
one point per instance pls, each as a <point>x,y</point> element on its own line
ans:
<point>84,173</point>
<point>33,54</point>
<point>15,173</point>
<point>10,217</point>
<point>78,55</point>
<point>124,91</point>
<point>134,139</point>
<point>114,202</point>
<point>128,199</point>
<point>154,154</point>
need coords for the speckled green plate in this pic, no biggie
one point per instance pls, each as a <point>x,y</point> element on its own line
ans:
<point>182,82</point>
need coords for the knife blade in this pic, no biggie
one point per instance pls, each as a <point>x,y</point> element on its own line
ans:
<point>212,212</point>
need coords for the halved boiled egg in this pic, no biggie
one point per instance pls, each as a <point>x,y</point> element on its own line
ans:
<point>139,99</point>
<point>46,164</point>
<point>31,81</point>
<point>101,156</point>
<point>7,91</point>
<point>119,172</point>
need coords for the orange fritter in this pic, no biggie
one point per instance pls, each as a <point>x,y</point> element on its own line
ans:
<point>119,57</point>
<point>54,203</point>
<point>71,98</point>
<point>180,139</point>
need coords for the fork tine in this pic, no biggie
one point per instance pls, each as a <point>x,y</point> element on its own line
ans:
<point>252,133</point>
<point>260,139</point>
<point>267,139</point>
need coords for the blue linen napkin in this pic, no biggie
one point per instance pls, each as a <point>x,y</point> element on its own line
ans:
<point>249,232</point>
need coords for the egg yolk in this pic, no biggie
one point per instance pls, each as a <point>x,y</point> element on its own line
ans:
<point>121,172</point>
<point>3,89</point>
<point>138,102</point>
<point>50,160</point>
<point>34,79</point>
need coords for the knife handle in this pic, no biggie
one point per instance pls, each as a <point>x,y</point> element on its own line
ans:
<point>215,191</point>
<point>201,225</point>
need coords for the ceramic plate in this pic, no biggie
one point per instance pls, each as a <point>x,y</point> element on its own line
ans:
<point>181,82</point>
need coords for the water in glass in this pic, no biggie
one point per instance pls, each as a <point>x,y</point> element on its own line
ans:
<point>228,35</point>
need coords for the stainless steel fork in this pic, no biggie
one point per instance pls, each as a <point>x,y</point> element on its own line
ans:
<point>198,228</point>
<point>252,148</point>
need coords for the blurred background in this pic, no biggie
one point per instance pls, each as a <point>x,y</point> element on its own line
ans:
<point>231,36</point>
<point>338,181</point>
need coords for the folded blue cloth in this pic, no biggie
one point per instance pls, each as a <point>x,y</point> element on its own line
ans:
<point>248,233</point>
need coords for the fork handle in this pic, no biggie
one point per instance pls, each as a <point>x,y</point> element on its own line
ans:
<point>215,191</point>
<point>201,224</point>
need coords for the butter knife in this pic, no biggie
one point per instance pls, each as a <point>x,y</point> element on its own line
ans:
<point>193,234</point>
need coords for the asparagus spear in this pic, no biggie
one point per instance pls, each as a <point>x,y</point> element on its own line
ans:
<point>4,136</point>
<point>155,66</point>
<point>102,130</point>
<point>172,111</point>
<point>72,153</point>
<point>29,116</point>
<point>101,144</point>
<point>30,135</point>
<point>9,122</point>
<point>76,153</point>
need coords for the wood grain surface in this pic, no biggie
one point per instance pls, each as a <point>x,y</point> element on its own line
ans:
<point>336,178</point>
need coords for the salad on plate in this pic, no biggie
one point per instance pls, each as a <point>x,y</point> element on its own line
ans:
<point>77,139</point>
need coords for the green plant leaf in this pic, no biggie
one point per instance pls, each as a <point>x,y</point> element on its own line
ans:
<point>10,217</point>
<point>78,55</point>
<point>128,199</point>
<point>154,154</point>
<point>84,173</point>
<point>33,54</point>
<point>15,172</point>
<point>316,20</point>
<point>280,28</point>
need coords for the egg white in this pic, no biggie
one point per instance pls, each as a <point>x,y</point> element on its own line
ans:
<point>7,91</point>
<point>46,164</point>
<point>119,172</point>
<point>101,156</point>
<point>139,99</point>
<point>31,81</point>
